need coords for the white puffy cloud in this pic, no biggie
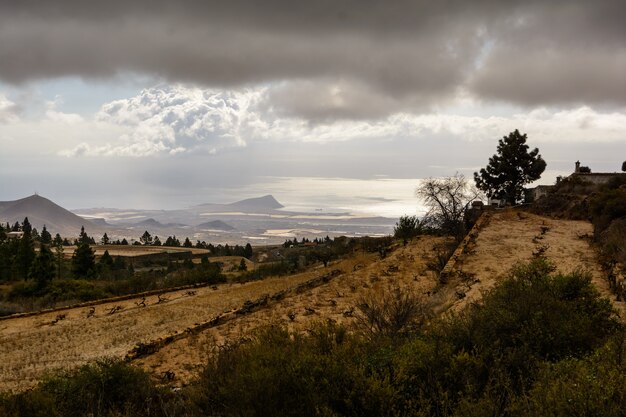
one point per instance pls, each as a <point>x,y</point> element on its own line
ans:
<point>56,116</point>
<point>8,110</point>
<point>176,119</point>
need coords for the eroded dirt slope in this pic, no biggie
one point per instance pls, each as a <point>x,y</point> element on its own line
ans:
<point>512,236</point>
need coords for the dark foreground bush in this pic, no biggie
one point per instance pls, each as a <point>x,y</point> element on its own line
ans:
<point>106,388</point>
<point>280,374</point>
<point>477,362</point>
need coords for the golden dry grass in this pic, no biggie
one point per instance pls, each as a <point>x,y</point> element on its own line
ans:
<point>134,250</point>
<point>30,346</point>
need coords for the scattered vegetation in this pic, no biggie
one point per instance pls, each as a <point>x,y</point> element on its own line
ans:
<point>540,344</point>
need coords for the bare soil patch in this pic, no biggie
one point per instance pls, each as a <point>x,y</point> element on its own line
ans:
<point>513,236</point>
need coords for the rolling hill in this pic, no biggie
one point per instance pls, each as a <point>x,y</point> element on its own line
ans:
<point>41,211</point>
<point>265,204</point>
<point>215,225</point>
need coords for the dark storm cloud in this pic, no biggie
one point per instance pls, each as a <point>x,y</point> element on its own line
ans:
<point>564,53</point>
<point>384,56</point>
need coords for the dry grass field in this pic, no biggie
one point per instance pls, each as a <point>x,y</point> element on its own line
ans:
<point>135,250</point>
<point>30,346</point>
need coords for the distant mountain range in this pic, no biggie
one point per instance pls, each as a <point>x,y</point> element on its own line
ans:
<point>263,204</point>
<point>215,225</point>
<point>260,219</point>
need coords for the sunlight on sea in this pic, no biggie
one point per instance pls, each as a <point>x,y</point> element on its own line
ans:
<point>388,197</point>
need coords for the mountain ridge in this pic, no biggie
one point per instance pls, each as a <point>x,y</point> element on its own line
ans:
<point>42,211</point>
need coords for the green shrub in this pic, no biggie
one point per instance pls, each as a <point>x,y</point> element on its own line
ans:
<point>57,291</point>
<point>590,386</point>
<point>105,388</point>
<point>280,374</point>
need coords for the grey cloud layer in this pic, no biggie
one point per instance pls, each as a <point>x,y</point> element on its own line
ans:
<point>342,59</point>
<point>175,119</point>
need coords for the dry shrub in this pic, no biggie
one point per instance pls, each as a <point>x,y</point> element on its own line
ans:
<point>391,313</point>
<point>442,253</point>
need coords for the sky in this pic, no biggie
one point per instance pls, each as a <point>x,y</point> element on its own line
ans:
<point>338,104</point>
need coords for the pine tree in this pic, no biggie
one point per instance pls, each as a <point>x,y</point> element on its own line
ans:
<point>187,243</point>
<point>146,238</point>
<point>25,254</point>
<point>57,241</point>
<point>510,169</point>
<point>105,239</point>
<point>156,241</point>
<point>26,227</point>
<point>83,261</point>
<point>42,268</point>
<point>58,255</point>
<point>46,237</point>
<point>248,251</point>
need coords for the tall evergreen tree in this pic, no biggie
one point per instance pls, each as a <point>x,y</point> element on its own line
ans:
<point>187,243</point>
<point>106,259</point>
<point>83,261</point>
<point>46,237</point>
<point>83,237</point>
<point>58,255</point>
<point>105,239</point>
<point>25,254</point>
<point>26,227</point>
<point>510,169</point>
<point>42,268</point>
<point>146,238</point>
<point>248,251</point>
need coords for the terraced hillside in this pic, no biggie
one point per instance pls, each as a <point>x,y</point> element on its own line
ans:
<point>505,238</point>
<point>32,345</point>
<point>177,333</point>
<point>512,236</point>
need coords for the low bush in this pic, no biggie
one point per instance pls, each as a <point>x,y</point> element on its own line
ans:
<point>105,388</point>
<point>276,373</point>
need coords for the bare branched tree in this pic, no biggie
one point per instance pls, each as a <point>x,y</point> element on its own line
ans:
<point>447,200</point>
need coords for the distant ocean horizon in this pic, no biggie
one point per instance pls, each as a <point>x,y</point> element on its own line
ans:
<point>386,197</point>
<point>381,196</point>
